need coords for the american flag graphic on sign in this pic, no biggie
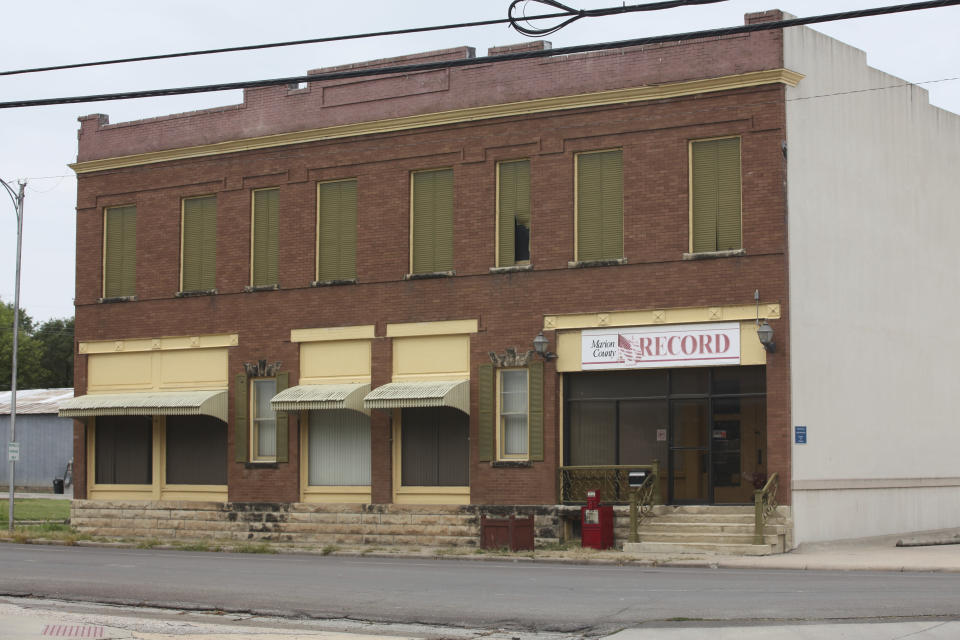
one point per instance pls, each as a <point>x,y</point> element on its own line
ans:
<point>630,352</point>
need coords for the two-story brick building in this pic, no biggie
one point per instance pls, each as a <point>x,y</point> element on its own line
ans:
<point>326,298</point>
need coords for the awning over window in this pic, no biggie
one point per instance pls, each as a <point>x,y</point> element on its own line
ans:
<point>149,403</point>
<point>322,396</point>
<point>435,393</point>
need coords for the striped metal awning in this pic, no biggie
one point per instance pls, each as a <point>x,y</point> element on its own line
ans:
<point>322,396</point>
<point>149,403</point>
<point>434,393</point>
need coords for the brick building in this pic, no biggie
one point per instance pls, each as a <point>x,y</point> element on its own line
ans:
<point>317,308</point>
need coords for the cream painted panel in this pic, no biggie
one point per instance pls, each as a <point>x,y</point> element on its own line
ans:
<point>199,369</point>
<point>568,351</point>
<point>751,351</point>
<point>335,361</point>
<point>431,357</point>
<point>119,372</point>
<point>432,495</point>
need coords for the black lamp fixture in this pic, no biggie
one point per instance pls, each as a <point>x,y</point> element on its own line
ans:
<point>540,344</point>
<point>764,330</point>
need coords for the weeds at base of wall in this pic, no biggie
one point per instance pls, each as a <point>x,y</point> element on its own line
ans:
<point>249,547</point>
<point>47,531</point>
<point>327,550</point>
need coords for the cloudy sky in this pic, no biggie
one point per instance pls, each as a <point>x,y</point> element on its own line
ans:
<point>37,143</point>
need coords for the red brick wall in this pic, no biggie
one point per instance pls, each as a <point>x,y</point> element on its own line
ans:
<point>510,307</point>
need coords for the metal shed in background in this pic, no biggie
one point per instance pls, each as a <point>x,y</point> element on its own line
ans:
<point>46,441</point>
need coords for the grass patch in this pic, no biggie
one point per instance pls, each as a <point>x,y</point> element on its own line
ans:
<point>192,546</point>
<point>148,544</point>
<point>46,531</point>
<point>36,509</point>
<point>328,549</point>
<point>259,547</point>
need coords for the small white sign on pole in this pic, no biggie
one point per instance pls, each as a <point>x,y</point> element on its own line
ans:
<point>13,452</point>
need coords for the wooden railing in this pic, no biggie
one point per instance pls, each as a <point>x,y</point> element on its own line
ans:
<point>612,481</point>
<point>765,503</point>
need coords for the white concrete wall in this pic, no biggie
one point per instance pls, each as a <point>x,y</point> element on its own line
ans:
<point>874,253</point>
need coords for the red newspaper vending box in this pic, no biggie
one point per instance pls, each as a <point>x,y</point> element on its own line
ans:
<point>596,523</point>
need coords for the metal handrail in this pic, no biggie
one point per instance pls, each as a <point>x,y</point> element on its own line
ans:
<point>641,504</point>
<point>765,503</point>
<point>612,481</point>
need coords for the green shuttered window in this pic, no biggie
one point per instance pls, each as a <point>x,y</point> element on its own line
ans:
<point>120,252</point>
<point>337,230</point>
<point>432,221</point>
<point>510,407</point>
<point>199,259</point>
<point>269,430</point>
<point>266,231</point>
<point>513,212</point>
<point>600,206</point>
<point>715,195</point>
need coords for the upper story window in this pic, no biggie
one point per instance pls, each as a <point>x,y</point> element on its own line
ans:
<point>337,230</point>
<point>265,240</point>
<point>513,213</point>
<point>198,254</point>
<point>120,252</point>
<point>431,242</point>
<point>599,184</point>
<point>715,195</point>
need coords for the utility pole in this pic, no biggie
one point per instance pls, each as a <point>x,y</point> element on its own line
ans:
<point>11,457</point>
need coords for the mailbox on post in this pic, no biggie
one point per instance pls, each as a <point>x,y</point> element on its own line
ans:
<point>596,523</point>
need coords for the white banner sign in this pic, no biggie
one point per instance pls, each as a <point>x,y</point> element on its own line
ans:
<point>682,345</point>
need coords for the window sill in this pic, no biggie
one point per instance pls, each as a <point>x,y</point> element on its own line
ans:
<point>512,269</point>
<point>582,264</point>
<point>116,299</point>
<point>260,465</point>
<point>194,294</point>
<point>709,255</point>
<point>261,287</point>
<point>332,283</point>
<point>511,464</point>
<point>429,275</point>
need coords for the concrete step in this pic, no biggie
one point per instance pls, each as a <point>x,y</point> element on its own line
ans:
<point>704,518</point>
<point>656,526</point>
<point>700,547</point>
<point>711,538</point>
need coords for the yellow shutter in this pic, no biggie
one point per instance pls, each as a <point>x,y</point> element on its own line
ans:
<point>513,206</point>
<point>715,195</point>
<point>433,221</point>
<point>266,227</point>
<point>120,252</point>
<point>337,230</point>
<point>199,243</point>
<point>600,206</point>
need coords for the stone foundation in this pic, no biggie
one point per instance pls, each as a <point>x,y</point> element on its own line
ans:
<point>303,524</point>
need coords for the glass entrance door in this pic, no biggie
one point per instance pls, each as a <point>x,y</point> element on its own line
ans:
<point>690,451</point>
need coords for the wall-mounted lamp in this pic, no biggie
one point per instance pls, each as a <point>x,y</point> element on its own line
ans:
<point>764,330</point>
<point>540,344</point>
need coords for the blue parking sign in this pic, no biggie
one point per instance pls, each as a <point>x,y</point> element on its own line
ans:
<point>800,435</point>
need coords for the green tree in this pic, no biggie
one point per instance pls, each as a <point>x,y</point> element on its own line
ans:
<point>44,355</point>
<point>55,338</point>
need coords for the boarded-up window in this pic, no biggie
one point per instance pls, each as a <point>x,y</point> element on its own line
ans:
<point>120,252</point>
<point>513,212</point>
<point>432,221</point>
<point>123,448</point>
<point>435,448</point>
<point>600,206</point>
<point>339,448</point>
<point>196,450</point>
<point>199,259</point>
<point>266,236</point>
<point>715,195</point>
<point>337,230</point>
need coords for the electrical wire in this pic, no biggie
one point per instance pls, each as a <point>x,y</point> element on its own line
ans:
<point>576,14</point>
<point>507,57</point>
<point>566,12</point>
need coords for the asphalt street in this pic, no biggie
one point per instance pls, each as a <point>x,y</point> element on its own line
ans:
<point>480,594</point>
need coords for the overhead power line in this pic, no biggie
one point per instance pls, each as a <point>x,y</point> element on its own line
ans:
<point>524,55</point>
<point>566,12</point>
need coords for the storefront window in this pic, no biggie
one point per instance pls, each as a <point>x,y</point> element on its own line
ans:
<point>123,450</point>
<point>435,448</point>
<point>196,450</point>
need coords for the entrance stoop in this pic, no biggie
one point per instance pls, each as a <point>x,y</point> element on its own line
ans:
<point>721,530</point>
